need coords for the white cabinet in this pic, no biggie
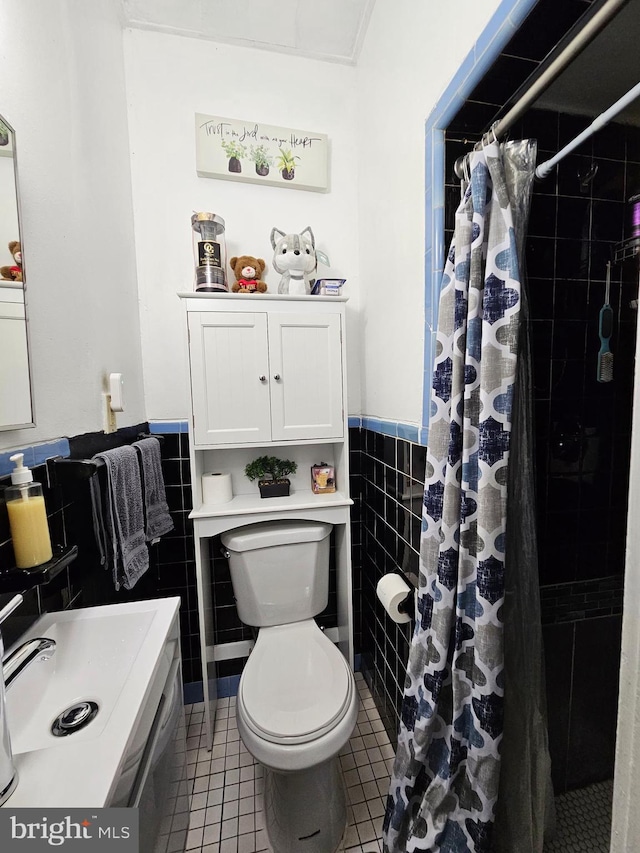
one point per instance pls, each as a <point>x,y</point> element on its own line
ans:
<point>15,386</point>
<point>258,376</point>
<point>229,358</point>
<point>267,377</point>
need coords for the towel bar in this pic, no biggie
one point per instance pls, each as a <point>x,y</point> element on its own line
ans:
<point>62,469</point>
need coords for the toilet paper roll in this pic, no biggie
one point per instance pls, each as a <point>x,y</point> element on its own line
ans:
<point>392,590</point>
<point>216,488</point>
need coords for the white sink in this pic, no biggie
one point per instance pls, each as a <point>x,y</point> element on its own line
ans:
<point>92,661</point>
<point>112,655</point>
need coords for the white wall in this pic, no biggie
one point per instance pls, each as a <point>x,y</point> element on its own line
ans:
<point>63,84</point>
<point>410,53</point>
<point>62,90</point>
<point>169,79</point>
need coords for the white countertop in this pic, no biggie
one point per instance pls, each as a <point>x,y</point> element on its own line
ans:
<point>115,655</point>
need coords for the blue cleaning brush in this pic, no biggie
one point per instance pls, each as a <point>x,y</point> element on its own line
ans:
<point>605,356</point>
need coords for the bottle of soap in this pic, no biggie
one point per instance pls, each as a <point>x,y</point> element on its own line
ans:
<point>27,517</point>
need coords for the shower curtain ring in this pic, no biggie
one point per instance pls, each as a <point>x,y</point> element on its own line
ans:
<point>486,139</point>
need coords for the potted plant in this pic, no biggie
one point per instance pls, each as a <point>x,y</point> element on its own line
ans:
<point>4,134</point>
<point>261,157</point>
<point>235,152</point>
<point>271,474</point>
<point>287,163</point>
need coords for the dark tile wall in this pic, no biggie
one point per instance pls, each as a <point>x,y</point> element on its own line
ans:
<point>387,487</point>
<point>64,591</point>
<point>582,662</point>
<point>573,602</point>
<point>583,427</point>
<point>172,569</point>
<point>545,28</point>
<point>84,582</point>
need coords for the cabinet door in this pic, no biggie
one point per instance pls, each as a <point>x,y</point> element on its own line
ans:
<point>15,394</point>
<point>305,357</point>
<point>229,377</point>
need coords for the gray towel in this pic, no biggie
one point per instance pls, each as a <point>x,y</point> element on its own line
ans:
<point>158,520</point>
<point>124,516</point>
<point>97,516</point>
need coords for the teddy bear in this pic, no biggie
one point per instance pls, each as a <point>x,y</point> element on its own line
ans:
<point>14,272</point>
<point>247,271</point>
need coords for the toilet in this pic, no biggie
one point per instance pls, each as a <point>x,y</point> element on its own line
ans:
<point>297,701</point>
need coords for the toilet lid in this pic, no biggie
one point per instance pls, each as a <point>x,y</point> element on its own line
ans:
<point>296,683</point>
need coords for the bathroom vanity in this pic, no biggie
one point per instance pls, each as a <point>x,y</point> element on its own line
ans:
<point>267,375</point>
<point>124,661</point>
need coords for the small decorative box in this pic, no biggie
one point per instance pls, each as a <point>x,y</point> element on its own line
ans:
<point>323,479</point>
<point>328,287</point>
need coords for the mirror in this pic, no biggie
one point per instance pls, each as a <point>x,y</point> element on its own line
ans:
<point>16,410</point>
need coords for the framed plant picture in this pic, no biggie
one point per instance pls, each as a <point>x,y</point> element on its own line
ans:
<point>236,150</point>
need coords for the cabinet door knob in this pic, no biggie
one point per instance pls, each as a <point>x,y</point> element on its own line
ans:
<point>276,376</point>
<point>262,378</point>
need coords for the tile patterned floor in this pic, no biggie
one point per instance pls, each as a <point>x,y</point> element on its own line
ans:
<point>583,819</point>
<point>227,812</point>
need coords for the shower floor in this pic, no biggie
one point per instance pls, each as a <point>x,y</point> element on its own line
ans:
<point>583,819</point>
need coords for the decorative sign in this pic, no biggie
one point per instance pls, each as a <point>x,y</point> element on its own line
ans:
<point>236,150</point>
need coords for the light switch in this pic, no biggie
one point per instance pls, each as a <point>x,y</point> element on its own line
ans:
<point>116,384</point>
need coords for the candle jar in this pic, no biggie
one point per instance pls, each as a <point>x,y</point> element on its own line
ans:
<point>209,252</point>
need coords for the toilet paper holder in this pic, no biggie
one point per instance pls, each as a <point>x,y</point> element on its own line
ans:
<point>397,595</point>
<point>407,605</point>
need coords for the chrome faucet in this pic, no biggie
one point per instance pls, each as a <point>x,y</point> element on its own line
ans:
<point>15,663</point>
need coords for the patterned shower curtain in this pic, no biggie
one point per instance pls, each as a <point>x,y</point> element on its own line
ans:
<point>445,778</point>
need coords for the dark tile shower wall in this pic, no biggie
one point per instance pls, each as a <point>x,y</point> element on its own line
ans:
<point>583,430</point>
<point>583,427</point>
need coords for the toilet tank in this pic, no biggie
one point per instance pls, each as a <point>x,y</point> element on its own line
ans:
<point>279,570</point>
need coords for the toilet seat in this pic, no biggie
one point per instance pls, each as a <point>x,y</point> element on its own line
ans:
<point>296,685</point>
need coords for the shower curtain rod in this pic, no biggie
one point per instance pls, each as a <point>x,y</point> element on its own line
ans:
<point>604,118</point>
<point>591,29</point>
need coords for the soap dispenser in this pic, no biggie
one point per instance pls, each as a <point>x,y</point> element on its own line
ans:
<point>27,517</point>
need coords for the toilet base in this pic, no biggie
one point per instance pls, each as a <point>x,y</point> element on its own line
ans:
<point>305,810</point>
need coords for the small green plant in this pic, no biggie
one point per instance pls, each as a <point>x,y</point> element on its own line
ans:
<point>287,163</point>
<point>270,467</point>
<point>260,156</point>
<point>234,149</point>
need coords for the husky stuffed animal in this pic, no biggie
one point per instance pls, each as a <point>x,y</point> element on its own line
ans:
<point>295,257</point>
